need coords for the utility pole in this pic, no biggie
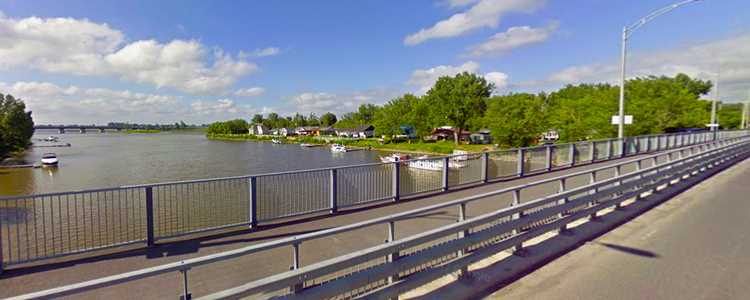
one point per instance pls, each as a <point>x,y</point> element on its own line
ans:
<point>713,125</point>
<point>743,124</point>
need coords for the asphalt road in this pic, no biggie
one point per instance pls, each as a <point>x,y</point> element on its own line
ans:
<point>694,246</point>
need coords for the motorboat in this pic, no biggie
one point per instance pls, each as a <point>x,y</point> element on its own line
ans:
<point>276,141</point>
<point>338,148</point>
<point>460,155</point>
<point>49,159</point>
<point>51,138</point>
<point>306,145</point>
<point>425,163</point>
<point>395,157</point>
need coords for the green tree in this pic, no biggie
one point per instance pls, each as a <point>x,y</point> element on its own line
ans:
<point>328,119</point>
<point>299,120</point>
<point>729,115</point>
<point>584,111</point>
<point>257,119</point>
<point>459,99</point>
<point>516,120</point>
<point>16,125</point>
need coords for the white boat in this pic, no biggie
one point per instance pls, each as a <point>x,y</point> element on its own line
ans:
<point>338,148</point>
<point>460,155</point>
<point>50,138</point>
<point>424,163</point>
<point>394,158</point>
<point>49,159</point>
<point>306,145</point>
<point>276,141</point>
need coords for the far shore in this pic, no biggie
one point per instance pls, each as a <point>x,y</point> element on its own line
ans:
<point>415,147</point>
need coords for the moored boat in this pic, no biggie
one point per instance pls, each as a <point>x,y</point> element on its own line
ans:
<point>276,141</point>
<point>394,158</point>
<point>306,145</point>
<point>338,148</point>
<point>49,159</point>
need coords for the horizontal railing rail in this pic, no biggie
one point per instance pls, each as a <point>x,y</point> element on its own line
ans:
<point>564,202</point>
<point>50,225</point>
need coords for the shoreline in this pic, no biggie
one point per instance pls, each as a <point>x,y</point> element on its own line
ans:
<point>358,144</point>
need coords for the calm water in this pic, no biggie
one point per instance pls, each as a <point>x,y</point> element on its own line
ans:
<point>112,159</point>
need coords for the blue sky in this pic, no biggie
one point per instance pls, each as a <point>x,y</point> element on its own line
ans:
<point>201,61</point>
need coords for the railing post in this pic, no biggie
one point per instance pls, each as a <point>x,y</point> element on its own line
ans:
<point>592,151</point>
<point>485,167</point>
<point>562,201</point>
<point>295,265</point>
<point>2,263</point>
<point>462,234</point>
<point>446,162</point>
<point>548,158</point>
<point>185,292</point>
<point>618,171</point>
<point>150,216</point>
<point>518,215</point>
<point>648,144</point>
<point>253,192</point>
<point>572,154</point>
<point>396,181</point>
<point>592,180</point>
<point>334,201</point>
<point>609,149</point>
<point>393,256</point>
<point>658,142</point>
<point>624,147</point>
<point>519,165</point>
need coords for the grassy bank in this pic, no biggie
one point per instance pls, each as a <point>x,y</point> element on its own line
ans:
<point>441,147</point>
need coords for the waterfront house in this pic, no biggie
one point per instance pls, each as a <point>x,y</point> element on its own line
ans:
<point>345,132</point>
<point>283,131</point>
<point>328,130</point>
<point>481,137</point>
<point>307,130</point>
<point>447,133</point>
<point>364,131</point>
<point>258,129</point>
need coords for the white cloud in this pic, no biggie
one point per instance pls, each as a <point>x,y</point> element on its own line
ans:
<point>500,79</point>
<point>700,60</point>
<point>512,38</point>
<point>425,79</point>
<point>338,103</point>
<point>485,13</point>
<point>52,103</point>
<point>81,47</point>
<point>460,3</point>
<point>218,107</point>
<point>250,92</point>
<point>270,51</point>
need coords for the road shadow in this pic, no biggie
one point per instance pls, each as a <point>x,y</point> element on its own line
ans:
<point>629,250</point>
<point>161,250</point>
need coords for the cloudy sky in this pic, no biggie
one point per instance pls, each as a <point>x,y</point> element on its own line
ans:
<point>202,61</point>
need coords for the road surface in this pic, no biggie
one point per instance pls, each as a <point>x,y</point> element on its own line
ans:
<point>694,246</point>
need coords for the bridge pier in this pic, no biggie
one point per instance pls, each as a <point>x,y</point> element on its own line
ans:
<point>83,130</point>
<point>61,130</point>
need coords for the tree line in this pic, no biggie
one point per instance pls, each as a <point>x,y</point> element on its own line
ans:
<point>16,126</point>
<point>577,112</point>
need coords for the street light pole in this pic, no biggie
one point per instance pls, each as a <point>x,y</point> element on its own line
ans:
<point>621,123</point>
<point>626,32</point>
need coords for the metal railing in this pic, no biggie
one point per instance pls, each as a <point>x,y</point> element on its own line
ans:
<point>423,256</point>
<point>44,226</point>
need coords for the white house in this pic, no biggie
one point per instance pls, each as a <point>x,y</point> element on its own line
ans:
<point>283,131</point>
<point>258,129</point>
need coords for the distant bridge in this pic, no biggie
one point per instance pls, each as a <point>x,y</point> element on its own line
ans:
<point>80,128</point>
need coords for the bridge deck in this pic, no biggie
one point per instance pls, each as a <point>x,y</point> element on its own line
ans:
<point>694,246</point>
<point>227,274</point>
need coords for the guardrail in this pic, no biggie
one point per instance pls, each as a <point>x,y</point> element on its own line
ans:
<point>377,271</point>
<point>44,226</point>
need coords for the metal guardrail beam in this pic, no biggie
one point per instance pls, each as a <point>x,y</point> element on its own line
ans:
<point>694,153</point>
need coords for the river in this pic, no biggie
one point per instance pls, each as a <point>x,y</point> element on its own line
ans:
<point>115,159</point>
